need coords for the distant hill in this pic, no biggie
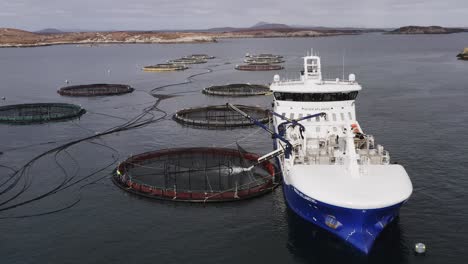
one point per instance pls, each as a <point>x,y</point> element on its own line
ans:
<point>16,34</point>
<point>426,30</point>
<point>49,31</point>
<point>282,27</point>
<point>261,23</point>
<point>220,29</point>
<point>266,25</point>
<point>259,26</point>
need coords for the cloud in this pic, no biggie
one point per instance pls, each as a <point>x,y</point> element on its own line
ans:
<point>7,14</point>
<point>189,14</point>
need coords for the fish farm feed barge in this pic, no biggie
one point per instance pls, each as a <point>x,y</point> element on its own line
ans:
<point>334,175</point>
<point>98,89</point>
<point>259,67</point>
<point>39,113</point>
<point>196,175</point>
<point>163,67</point>
<point>220,116</point>
<point>237,89</point>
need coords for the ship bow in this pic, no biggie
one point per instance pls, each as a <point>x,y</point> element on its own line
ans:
<point>358,227</point>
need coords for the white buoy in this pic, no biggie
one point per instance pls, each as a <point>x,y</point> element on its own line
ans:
<point>420,248</point>
<point>67,81</point>
<point>3,97</point>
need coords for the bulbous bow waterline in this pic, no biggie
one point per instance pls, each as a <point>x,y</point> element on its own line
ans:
<point>358,227</point>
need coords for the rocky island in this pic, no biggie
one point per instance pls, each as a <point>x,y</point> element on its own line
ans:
<point>426,30</point>
<point>463,55</point>
<point>19,38</point>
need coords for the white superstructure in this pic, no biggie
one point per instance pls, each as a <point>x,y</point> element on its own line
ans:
<point>333,161</point>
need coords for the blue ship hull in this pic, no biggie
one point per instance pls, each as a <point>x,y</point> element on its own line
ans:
<point>358,227</point>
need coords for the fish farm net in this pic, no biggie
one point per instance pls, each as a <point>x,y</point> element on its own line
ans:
<point>263,56</point>
<point>188,61</point>
<point>238,89</point>
<point>98,89</point>
<point>196,175</point>
<point>40,112</point>
<point>221,116</point>
<point>199,56</point>
<point>263,61</point>
<point>259,67</point>
<point>165,67</point>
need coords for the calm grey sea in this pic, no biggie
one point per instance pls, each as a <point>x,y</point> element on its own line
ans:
<point>415,103</point>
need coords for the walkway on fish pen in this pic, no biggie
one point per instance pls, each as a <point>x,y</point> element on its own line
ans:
<point>259,67</point>
<point>196,175</point>
<point>97,89</point>
<point>39,112</point>
<point>237,89</point>
<point>220,116</point>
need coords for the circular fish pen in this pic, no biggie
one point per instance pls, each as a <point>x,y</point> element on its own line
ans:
<point>39,113</point>
<point>263,61</point>
<point>187,61</point>
<point>263,56</point>
<point>98,89</point>
<point>221,116</point>
<point>237,89</point>
<point>164,67</point>
<point>199,57</point>
<point>196,175</point>
<point>259,67</point>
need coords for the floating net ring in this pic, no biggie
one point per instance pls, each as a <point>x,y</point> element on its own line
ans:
<point>97,89</point>
<point>237,89</point>
<point>165,67</point>
<point>259,67</point>
<point>195,175</point>
<point>187,61</point>
<point>199,56</point>
<point>220,116</point>
<point>263,56</point>
<point>38,113</point>
<point>263,61</point>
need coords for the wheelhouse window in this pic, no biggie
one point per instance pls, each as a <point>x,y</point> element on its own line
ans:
<point>315,97</point>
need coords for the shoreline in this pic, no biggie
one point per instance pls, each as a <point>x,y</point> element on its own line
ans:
<point>13,38</point>
<point>36,45</point>
<point>215,40</point>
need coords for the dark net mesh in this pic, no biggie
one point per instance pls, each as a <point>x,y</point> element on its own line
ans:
<point>196,174</point>
<point>41,112</point>
<point>238,89</point>
<point>259,67</point>
<point>221,116</point>
<point>98,89</point>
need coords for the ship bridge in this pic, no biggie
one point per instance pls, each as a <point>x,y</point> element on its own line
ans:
<point>312,94</point>
<point>311,81</point>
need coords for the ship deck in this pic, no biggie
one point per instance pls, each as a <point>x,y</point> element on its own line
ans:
<point>377,186</point>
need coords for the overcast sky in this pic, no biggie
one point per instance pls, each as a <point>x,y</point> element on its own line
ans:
<point>202,14</point>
